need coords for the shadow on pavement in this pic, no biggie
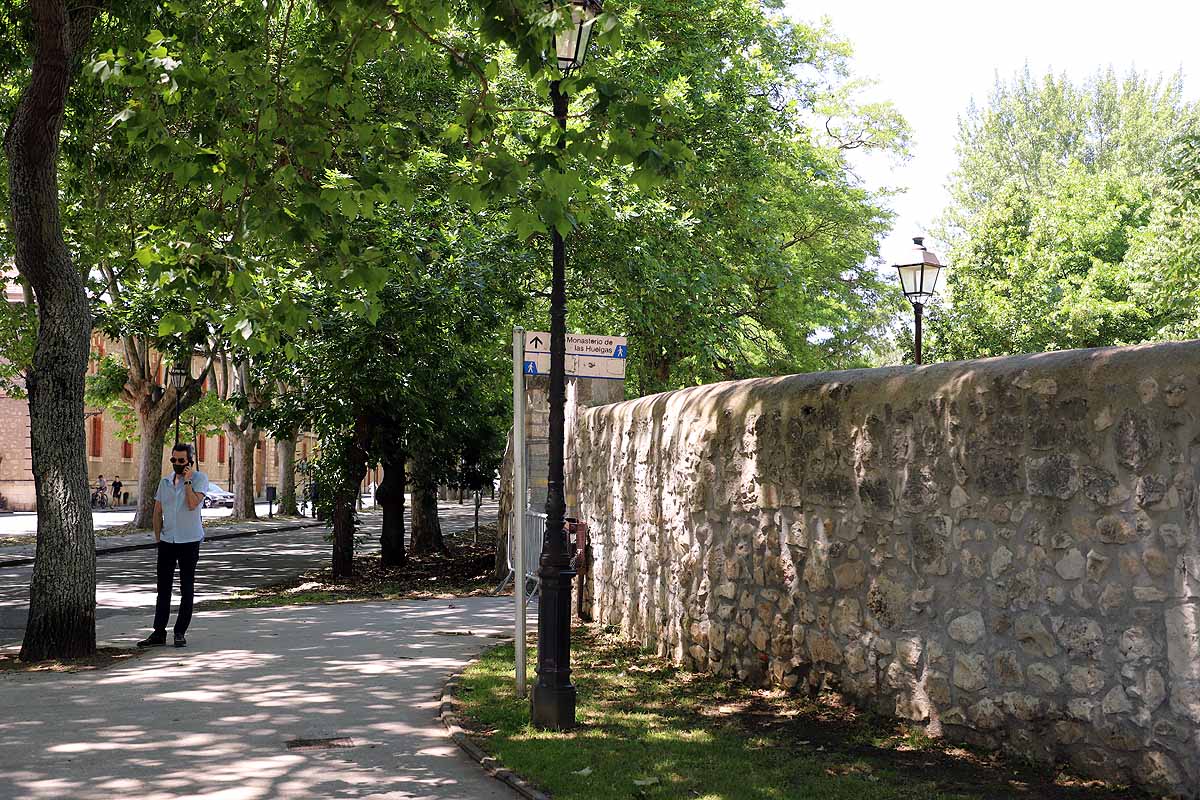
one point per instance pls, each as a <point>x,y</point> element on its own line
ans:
<point>215,720</point>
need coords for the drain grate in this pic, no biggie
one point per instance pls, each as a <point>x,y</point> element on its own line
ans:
<point>321,744</point>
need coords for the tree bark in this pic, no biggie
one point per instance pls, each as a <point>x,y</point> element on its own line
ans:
<point>390,496</point>
<point>242,441</point>
<point>287,475</point>
<point>156,414</point>
<point>353,469</point>
<point>343,533</point>
<point>62,592</point>
<point>152,432</point>
<point>504,521</point>
<point>426,527</point>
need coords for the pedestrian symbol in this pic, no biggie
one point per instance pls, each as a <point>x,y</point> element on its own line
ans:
<point>620,351</point>
<point>531,368</point>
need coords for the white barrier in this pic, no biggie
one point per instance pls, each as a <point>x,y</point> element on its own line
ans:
<point>535,529</point>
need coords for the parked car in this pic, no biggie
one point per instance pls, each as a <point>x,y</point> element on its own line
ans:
<point>216,496</point>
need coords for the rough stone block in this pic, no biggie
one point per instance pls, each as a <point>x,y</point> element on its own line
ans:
<point>970,671</point>
<point>847,576</point>
<point>968,628</point>
<point>1053,476</point>
<point>1071,566</point>
<point>1043,677</point>
<point>1033,637</point>
<point>1183,641</point>
<point>1085,680</point>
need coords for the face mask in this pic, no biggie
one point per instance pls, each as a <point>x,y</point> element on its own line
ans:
<point>179,468</point>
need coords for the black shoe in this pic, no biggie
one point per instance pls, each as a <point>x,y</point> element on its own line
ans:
<point>153,640</point>
<point>180,641</point>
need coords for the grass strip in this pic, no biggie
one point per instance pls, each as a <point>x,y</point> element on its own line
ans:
<point>650,731</point>
<point>465,569</point>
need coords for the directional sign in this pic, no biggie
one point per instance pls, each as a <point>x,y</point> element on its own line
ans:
<point>587,356</point>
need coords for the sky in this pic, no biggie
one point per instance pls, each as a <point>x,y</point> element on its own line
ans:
<point>932,57</point>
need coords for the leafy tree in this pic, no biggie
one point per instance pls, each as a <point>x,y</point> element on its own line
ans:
<point>208,417</point>
<point>1056,185</point>
<point>18,333</point>
<point>414,384</point>
<point>1166,253</point>
<point>754,259</point>
<point>62,600</point>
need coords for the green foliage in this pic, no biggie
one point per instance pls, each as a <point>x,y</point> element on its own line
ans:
<point>1167,251</point>
<point>348,204</point>
<point>1055,202</point>
<point>18,334</point>
<point>755,257</point>
<point>208,417</point>
<point>106,390</point>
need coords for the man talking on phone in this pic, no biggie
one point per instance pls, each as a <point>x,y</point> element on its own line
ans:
<point>178,532</point>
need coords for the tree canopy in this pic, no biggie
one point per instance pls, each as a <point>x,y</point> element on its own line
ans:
<point>1058,202</point>
<point>343,206</point>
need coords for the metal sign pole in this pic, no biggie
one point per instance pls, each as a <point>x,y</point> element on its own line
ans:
<point>517,529</point>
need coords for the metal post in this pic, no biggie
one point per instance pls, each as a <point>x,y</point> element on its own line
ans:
<point>176,415</point>
<point>517,529</point>
<point>919,309</point>
<point>553,703</point>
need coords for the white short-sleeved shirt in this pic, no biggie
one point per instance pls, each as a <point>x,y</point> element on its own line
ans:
<point>180,523</point>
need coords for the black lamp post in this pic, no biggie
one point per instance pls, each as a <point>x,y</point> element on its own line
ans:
<point>920,281</point>
<point>178,376</point>
<point>553,698</point>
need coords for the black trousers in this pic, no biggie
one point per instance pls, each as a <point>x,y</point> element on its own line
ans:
<point>186,555</point>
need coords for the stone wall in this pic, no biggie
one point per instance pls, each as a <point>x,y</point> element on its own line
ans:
<point>1005,549</point>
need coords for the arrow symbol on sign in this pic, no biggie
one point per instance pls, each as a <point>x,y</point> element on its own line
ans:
<point>536,341</point>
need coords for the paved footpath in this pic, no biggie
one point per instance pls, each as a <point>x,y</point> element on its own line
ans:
<point>126,584</point>
<point>24,523</point>
<point>215,720</point>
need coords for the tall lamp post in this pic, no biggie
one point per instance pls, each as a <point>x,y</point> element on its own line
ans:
<point>178,376</point>
<point>920,280</point>
<point>553,698</point>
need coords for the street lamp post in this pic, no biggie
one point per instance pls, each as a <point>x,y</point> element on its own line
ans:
<point>920,279</point>
<point>552,702</point>
<point>178,376</point>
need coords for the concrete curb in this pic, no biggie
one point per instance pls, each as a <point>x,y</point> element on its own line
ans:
<point>127,548</point>
<point>448,713</point>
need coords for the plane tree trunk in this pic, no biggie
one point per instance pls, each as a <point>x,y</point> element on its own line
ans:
<point>390,496</point>
<point>426,527</point>
<point>287,475</point>
<point>242,439</point>
<point>62,592</point>
<point>349,477</point>
<point>152,431</point>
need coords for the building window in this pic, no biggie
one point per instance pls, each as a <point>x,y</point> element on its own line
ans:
<point>304,450</point>
<point>127,451</point>
<point>201,447</point>
<point>275,450</point>
<point>221,449</point>
<point>97,444</point>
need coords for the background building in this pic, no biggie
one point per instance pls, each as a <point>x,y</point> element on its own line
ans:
<point>110,455</point>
